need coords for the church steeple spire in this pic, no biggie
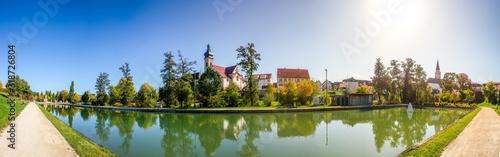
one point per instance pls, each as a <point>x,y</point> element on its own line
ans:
<point>438,71</point>
<point>209,57</point>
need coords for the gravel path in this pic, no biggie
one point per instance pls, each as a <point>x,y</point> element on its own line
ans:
<point>480,138</point>
<point>35,136</point>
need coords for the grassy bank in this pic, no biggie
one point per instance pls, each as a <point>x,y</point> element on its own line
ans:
<point>436,145</point>
<point>485,104</point>
<point>5,110</point>
<point>82,145</point>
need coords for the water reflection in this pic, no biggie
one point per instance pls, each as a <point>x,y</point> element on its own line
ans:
<point>242,134</point>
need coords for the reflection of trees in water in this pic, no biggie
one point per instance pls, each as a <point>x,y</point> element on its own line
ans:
<point>85,113</point>
<point>64,111</point>
<point>252,132</point>
<point>177,138</point>
<point>399,130</point>
<point>183,132</point>
<point>297,124</point>
<point>146,120</point>
<point>124,121</point>
<point>101,129</point>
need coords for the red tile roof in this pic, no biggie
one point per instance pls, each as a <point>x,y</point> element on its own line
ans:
<point>293,73</point>
<point>225,71</point>
<point>221,70</point>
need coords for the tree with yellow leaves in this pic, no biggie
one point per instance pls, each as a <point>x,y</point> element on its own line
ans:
<point>305,91</point>
<point>289,92</point>
<point>363,89</point>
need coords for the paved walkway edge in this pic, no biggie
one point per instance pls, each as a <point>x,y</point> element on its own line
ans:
<point>35,136</point>
<point>480,138</point>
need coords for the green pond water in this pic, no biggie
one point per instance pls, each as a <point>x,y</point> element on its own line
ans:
<point>384,132</point>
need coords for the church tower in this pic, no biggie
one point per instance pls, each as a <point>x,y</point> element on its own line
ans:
<point>209,57</point>
<point>438,71</point>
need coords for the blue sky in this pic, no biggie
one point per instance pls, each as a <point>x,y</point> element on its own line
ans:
<point>84,38</point>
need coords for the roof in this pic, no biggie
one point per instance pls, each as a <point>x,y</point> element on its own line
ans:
<point>352,79</point>
<point>435,81</point>
<point>221,70</point>
<point>230,70</point>
<point>293,73</point>
<point>263,76</point>
<point>225,72</point>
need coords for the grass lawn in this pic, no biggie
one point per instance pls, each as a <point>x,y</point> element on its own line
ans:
<point>436,145</point>
<point>485,104</point>
<point>5,110</point>
<point>82,145</point>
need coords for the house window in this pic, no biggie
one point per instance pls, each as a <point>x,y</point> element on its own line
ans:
<point>237,78</point>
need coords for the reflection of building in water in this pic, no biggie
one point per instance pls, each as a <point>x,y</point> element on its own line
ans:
<point>233,130</point>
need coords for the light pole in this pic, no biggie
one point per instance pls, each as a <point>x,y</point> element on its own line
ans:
<point>326,86</point>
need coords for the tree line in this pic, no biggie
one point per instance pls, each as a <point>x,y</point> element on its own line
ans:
<point>406,82</point>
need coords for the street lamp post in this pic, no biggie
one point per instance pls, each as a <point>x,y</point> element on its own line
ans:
<point>326,86</point>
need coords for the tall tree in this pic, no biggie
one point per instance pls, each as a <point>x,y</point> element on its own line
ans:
<point>249,57</point>
<point>146,97</point>
<point>126,70</point>
<point>209,87</point>
<point>126,86</point>
<point>381,81</point>
<point>421,85</point>
<point>71,96</point>
<point>184,67</point>
<point>101,84</point>
<point>449,81</point>
<point>396,83</point>
<point>408,67</point>
<point>114,95</point>
<point>183,90</point>
<point>168,73</point>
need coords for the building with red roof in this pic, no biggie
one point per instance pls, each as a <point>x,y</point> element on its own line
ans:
<point>296,75</point>
<point>228,74</point>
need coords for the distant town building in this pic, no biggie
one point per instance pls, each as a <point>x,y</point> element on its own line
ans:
<point>477,86</point>
<point>326,85</point>
<point>264,80</point>
<point>435,82</point>
<point>296,75</point>
<point>352,84</point>
<point>228,74</point>
<point>319,84</point>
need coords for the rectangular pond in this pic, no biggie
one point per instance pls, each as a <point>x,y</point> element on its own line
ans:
<point>384,132</point>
